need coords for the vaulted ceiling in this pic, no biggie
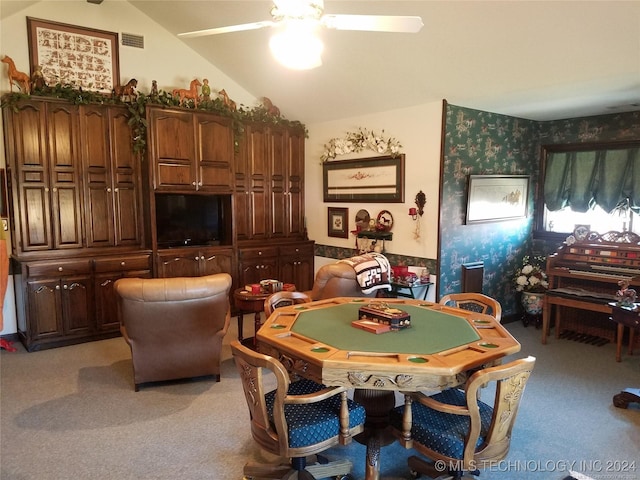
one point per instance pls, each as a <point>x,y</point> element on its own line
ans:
<point>541,60</point>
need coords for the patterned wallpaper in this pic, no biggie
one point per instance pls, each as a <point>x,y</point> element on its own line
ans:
<point>478,142</point>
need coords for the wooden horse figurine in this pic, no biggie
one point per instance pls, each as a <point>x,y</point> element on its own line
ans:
<point>230,104</point>
<point>270,107</point>
<point>128,90</point>
<point>21,79</point>
<point>192,93</point>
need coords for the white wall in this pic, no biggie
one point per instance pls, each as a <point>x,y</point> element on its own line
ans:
<point>164,59</point>
<point>419,131</point>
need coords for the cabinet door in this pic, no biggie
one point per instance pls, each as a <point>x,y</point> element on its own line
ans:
<point>241,199</point>
<point>214,154</point>
<point>77,301</point>
<point>107,271</point>
<point>297,265</point>
<point>278,154</point>
<point>178,264</point>
<point>64,161</point>
<point>172,149</point>
<point>295,185</point>
<point>126,182</point>
<point>59,307</point>
<point>96,158</point>
<point>44,317</point>
<point>217,260</point>
<point>41,146</point>
<point>258,264</point>
<point>258,162</point>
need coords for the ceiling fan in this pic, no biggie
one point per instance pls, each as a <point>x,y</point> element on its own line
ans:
<point>312,11</point>
<point>300,19</point>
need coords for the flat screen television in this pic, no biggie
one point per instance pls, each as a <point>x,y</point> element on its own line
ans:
<point>184,220</point>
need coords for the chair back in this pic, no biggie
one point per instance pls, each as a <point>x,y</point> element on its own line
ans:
<point>282,299</point>
<point>269,410</point>
<point>475,302</point>
<point>455,426</point>
<point>174,326</point>
<point>510,380</point>
<point>253,367</point>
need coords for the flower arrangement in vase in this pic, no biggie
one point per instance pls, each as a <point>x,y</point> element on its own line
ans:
<point>531,280</point>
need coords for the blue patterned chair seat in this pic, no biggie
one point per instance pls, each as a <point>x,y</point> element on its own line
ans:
<point>442,432</point>
<point>313,423</point>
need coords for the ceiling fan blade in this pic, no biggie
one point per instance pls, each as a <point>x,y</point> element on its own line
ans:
<point>229,29</point>
<point>373,23</point>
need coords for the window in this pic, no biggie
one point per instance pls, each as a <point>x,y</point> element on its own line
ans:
<point>595,185</point>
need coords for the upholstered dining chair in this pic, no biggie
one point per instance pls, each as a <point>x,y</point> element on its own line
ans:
<point>296,420</point>
<point>174,326</point>
<point>455,427</point>
<point>475,302</point>
<point>283,298</point>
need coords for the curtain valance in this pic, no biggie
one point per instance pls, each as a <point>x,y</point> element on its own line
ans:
<point>583,179</point>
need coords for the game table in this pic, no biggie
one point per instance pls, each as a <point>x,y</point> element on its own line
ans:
<point>317,341</point>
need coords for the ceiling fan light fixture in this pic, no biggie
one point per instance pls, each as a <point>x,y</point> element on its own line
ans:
<point>297,47</point>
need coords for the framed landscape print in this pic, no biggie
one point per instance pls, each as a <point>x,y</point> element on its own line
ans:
<point>494,198</point>
<point>80,57</point>
<point>338,222</point>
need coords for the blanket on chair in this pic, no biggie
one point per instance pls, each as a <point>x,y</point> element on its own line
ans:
<point>372,271</point>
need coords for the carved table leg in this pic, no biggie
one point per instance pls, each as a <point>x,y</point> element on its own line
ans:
<point>377,404</point>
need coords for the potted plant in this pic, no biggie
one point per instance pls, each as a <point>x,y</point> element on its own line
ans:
<point>531,280</point>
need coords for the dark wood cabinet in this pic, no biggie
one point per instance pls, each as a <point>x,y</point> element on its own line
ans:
<point>251,188</point>
<point>257,264</point>
<point>58,304</point>
<point>297,265</point>
<point>111,178</point>
<point>75,198</point>
<point>83,208</point>
<point>190,152</point>
<point>194,262</point>
<point>288,262</point>
<point>41,145</point>
<point>106,271</point>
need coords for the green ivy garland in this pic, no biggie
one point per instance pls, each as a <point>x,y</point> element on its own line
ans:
<point>137,109</point>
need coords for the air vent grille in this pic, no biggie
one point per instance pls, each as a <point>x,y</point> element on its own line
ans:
<point>131,40</point>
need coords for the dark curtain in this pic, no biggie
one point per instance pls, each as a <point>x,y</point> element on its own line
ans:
<point>582,180</point>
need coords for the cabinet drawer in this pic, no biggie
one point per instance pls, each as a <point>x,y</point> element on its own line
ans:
<point>257,253</point>
<point>297,250</point>
<point>119,264</point>
<point>62,267</point>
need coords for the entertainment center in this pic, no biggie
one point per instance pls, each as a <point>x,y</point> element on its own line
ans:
<point>85,209</point>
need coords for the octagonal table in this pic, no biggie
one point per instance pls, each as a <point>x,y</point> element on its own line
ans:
<point>317,341</point>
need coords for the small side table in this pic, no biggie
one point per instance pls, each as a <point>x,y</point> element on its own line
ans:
<point>247,302</point>
<point>625,317</point>
<point>396,288</point>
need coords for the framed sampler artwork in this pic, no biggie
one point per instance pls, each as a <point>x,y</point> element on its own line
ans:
<point>338,222</point>
<point>495,198</point>
<point>76,56</point>
<point>377,179</point>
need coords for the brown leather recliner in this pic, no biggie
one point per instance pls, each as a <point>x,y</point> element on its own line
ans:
<point>174,326</point>
<point>336,280</point>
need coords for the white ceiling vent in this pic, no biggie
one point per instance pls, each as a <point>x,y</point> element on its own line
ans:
<point>131,40</point>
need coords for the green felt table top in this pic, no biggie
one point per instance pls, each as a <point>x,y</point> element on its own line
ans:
<point>431,331</point>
